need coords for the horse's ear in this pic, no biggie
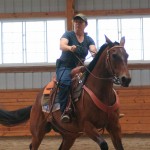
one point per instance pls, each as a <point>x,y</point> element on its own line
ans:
<point>107,39</point>
<point>122,41</point>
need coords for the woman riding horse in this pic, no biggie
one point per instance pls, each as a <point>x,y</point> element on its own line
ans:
<point>96,108</point>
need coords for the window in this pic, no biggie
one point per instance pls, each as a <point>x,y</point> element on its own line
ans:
<point>108,27</point>
<point>30,41</point>
<point>11,42</point>
<point>136,32</point>
<point>91,31</point>
<point>55,29</point>
<point>37,41</point>
<point>146,37</point>
<point>132,30</point>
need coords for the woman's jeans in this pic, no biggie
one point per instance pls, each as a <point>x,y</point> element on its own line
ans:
<point>64,79</point>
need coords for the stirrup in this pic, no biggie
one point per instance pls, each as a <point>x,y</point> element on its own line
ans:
<point>65,118</point>
<point>121,115</point>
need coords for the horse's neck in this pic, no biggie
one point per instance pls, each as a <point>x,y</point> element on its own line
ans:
<point>100,84</point>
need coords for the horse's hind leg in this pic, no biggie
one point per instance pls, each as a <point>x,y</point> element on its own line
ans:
<point>38,127</point>
<point>37,137</point>
<point>67,142</point>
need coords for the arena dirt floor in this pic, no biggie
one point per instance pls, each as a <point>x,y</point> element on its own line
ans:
<point>130,142</point>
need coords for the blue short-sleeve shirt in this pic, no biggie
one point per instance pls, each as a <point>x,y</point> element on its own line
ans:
<point>82,48</point>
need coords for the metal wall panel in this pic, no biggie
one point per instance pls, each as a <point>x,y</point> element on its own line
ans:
<point>107,5</point>
<point>40,79</point>
<point>131,77</point>
<point>53,5</point>
<point>19,80</point>
<point>126,4</point>
<point>10,81</point>
<point>111,4</point>
<point>136,77</point>
<point>144,4</point>
<point>145,77</point>
<point>2,6</point>
<point>3,81</point>
<point>116,4</point>
<point>9,6</point>
<point>18,6</point>
<point>28,81</point>
<point>80,5</point>
<point>135,5</point>
<point>46,77</point>
<point>27,7</point>
<point>37,80</point>
<point>89,5</point>
<point>61,5</point>
<point>98,4</point>
<point>36,5</point>
<point>45,5</point>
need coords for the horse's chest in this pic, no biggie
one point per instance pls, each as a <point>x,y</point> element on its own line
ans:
<point>102,119</point>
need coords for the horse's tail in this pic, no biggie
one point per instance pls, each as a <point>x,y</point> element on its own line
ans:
<point>13,118</point>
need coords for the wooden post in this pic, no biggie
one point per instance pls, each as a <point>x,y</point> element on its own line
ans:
<point>70,13</point>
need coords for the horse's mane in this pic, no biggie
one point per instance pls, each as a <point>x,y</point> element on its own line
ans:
<point>96,58</point>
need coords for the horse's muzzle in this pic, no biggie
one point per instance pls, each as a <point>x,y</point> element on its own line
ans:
<point>125,81</point>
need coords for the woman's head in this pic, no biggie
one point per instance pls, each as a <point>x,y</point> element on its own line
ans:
<point>80,17</point>
<point>80,22</point>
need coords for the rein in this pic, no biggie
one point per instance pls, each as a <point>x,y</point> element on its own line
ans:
<point>90,71</point>
<point>114,78</point>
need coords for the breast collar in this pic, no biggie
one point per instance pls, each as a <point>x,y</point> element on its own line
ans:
<point>100,105</point>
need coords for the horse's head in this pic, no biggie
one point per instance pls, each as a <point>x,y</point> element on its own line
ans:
<point>116,62</point>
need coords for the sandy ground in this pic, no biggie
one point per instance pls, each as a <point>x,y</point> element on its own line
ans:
<point>130,142</point>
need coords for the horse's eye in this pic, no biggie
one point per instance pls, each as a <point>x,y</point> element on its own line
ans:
<point>114,56</point>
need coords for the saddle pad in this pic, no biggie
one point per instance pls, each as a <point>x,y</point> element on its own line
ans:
<point>49,87</point>
<point>45,108</point>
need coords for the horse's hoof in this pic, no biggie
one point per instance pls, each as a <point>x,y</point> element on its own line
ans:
<point>104,146</point>
<point>30,146</point>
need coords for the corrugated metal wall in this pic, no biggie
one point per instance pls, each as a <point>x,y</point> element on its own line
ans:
<point>33,80</point>
<point>111,4</point>
<point>21,6</point>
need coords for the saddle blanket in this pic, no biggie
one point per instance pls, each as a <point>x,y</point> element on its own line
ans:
<point>46,109</point>
<point>45,98</point>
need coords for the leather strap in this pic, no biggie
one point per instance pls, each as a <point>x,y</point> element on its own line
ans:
<point>99,104</point>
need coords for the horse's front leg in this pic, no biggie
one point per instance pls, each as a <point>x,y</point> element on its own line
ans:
<point>115,133</point>
<point>93,133</point>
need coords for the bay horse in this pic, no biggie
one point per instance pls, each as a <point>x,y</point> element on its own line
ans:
<point>97,107</point>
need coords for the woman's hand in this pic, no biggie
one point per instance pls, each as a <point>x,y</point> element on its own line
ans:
<point>73,48</point>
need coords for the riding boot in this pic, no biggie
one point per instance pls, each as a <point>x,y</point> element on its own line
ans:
<point>63,99</point>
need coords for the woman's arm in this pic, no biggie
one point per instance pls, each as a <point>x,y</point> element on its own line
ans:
<point>65,47</point>
<point>93,50</point>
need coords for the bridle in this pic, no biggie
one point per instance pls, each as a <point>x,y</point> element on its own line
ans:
<point>114,77</point>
